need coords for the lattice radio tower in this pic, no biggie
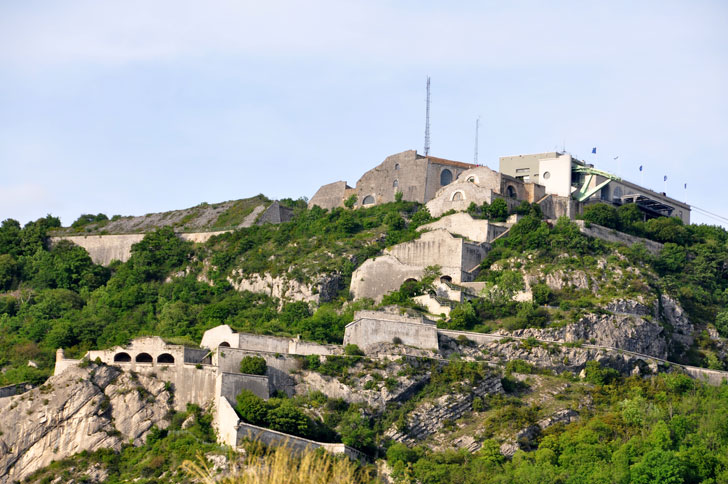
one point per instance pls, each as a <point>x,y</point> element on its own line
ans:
<point>477,126</point>
<point>427,120</point>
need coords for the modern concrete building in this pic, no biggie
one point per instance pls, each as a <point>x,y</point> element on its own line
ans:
<point>563,175</point>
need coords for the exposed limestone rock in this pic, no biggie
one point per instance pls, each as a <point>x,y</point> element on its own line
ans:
<point>80,409</point>
<point>376,398</point>
<point>323,290</point>
<point>525,438</point>
<point>674,315</point>
<point>430,417</point>
<point>629,306</point>
<point>621,331</point>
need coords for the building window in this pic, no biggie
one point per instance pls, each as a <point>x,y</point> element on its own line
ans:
<point>523,170</point>
<point>396,166</point>
<point>472,179</point>
<point>395,183</point>
<point>457,196</point>
<point>368,200</point>
<point>445,177</point>
<point>510,192</point>
<point>546,175</point>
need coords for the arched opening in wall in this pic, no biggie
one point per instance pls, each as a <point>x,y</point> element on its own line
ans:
<point>457,196</point>
<point>510,192</point>
<point>224,344</point>
<point>395,183</point>
<point>396,166</point>
<point>165,358</point>
<point>144,358</point>
<point>122,358</point>
<point>473,179</point>
<point>368,200</point>
<point>446,279</point>
<point>445,177</point>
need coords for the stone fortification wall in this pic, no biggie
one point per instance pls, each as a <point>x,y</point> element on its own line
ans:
<point>417,177</point>
<point>456,257</point>
<point>554,206</point>
<point>381,275</point>
<point>330,196</point>
<point>463,224</point>
<point>16,389</point>
<point>611,235</point>
<point>229,385</point>
<point>105,248</point>
<point>275,214</point>
<point>279,366</point>
<point>225,336</point>
<point>437,247</point>
<point>226,422</point>
<point>371,327</point>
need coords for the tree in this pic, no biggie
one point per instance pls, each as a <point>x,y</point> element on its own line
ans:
<point>601,214</point>
<point>350,202</point>
<point>498,210</point>
<point>253,365</point>
<point>721,323</point>
<point>289,419</point>
<point>252,408</point>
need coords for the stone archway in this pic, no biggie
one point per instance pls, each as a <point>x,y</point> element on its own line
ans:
<point>144,358</point>
<point>122,357</point>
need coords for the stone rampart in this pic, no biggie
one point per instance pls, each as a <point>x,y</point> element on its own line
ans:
<point>372,327</point>
<point>17,389</point>
<point>477,230</point>
<point>224,336</point>
<point>229,385</point>
<point>279,370</point>
<point>105,248</point>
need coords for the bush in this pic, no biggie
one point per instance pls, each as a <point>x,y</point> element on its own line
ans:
<point>721,323</point>
<point>353,350</point>
<point>253,365</point>
<point>252,408</point>
<point>599,375</point>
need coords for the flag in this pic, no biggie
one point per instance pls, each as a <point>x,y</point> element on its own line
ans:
<point>640,167</point>
<point>665,179</point>
<point>594,151</point>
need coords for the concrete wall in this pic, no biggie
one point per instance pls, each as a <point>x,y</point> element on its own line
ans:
<point>373,327</point>
<point>105,248</point>
<point>711,377</point>
<point>611,235</point>
<point>229,385</point>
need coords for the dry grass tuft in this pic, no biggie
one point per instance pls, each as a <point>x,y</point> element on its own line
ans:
<point>283,466</point>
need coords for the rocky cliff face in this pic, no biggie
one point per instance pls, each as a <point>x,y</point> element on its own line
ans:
<point>80,409</point>
<point>627,332</point>
<point>324,289</point>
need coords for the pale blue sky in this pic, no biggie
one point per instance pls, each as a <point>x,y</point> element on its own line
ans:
<point>140,106</point>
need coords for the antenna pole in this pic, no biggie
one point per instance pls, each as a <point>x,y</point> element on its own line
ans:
<point>477,125</point>
<point>427,120</point>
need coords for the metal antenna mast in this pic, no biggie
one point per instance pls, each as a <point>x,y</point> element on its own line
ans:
<point>427,120</point>
<point>477,125</point>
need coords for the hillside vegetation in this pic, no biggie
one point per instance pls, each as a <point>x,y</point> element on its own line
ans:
<point>666,428</point>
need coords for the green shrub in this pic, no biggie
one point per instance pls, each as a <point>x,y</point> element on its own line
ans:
<point>253,365</point>
<point>353,350</point>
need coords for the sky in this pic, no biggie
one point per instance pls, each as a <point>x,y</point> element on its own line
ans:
<point>137,106</point>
